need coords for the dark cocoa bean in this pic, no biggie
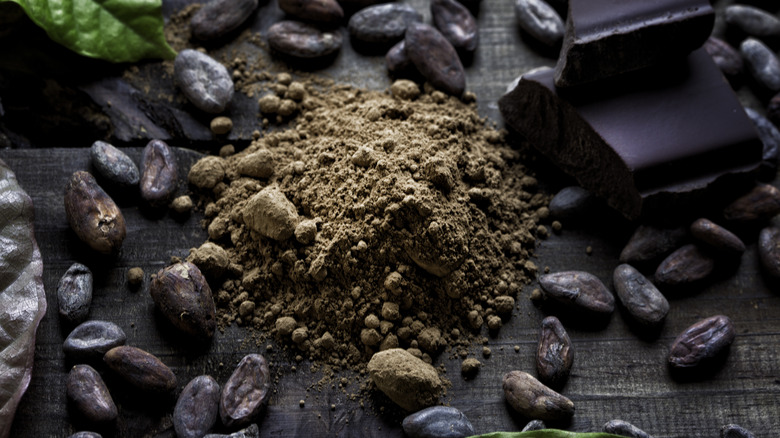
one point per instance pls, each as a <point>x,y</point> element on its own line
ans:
<point>580,290</point>
<point>92,339</point>
<point>753,21</point>
<point>532,399</point>
<point>570,202</point>
<point>760,204</point>
<point>770,137</point>
<point>687,265</point>
<point>456,23</point>
<point>735,431</point>
<point>539,20</point>
<point>89,395</point>
<point>183,295</point>
<point>624,428</point>
<point>300,40</point>
<point>701,342</point>
<point>437,421</point>
<point>727,58</point>
<point>716,237</point>
<point>245,392</point>
<point>160,175</point>
<point>86,435</point>
<point>204,81</point>
<point>435,58</point>
<point>643,301</point>
<point>74,293</point>
<point>769,250</point>
<point>114,165</point>
<point>93,215</point>
<point>762,63</point>
<point>384,24</point>
<point>534,425</point>
<point>320,11</point>
<point>197,408</point>
<point>554,355</point>
<point>250,432</point>
<point>649,243</point>
<point>140,369</point>
<point>217,18</point>
<point>773,110</point>
<point>396,59</point>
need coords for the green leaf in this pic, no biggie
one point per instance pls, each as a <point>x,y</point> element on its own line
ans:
<point>547,433</point>
<point>114,30</point>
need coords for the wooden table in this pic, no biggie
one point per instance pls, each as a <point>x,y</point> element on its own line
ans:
<point>616,373</point>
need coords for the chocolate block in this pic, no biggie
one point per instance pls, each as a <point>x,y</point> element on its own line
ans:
<point>606,38</point>
<point>650,135</point>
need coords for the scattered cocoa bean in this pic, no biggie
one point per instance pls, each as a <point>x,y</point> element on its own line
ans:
<point>140,369</point>
<point>197,408</point>
<point>437,421</point>
<point>396,58</point>
<point>554,355</point>
<point>773,110</point>
<point>204,81</point>
<point>246,391</point>
<point>624,428</point>
<point>539,20</point>
<point>532,399</point>
<point>701,342</point>
<point>89,395</point>
<point>86,435</point>
<point>92,339</point>
<point>320,11</point>
<point>760,204</point>
<point>183,295</point>
<point>159,177</point>
<point>217,18</point>
<point>534,425</point>
<point>735,431</point>
<point>770,137</point>
<point>250,432</point>
<point>727,58</point>
<point>301,40</point>
<point>74,294</point>
<point>762,63</point>
<point>753,21</point>
<point>570,202</point>
<point>385,23</point>
<point>769,250</point>
<point>456,23</point>
<point>113,165</point>
<point>716,237</point>
<point>580,290</point>
<point>649,243</point>
<point>435,58</point>
<point>93,215</point>
<point>687,265</point>
<point>643,301</point>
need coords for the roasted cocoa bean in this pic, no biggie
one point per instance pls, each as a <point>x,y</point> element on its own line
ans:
<point>735,431</point>
<point>532,399</point>
<point>649,243</point>
<point>204,81</point>
<point>246,391</point>
<point>760,204</point>
<point>773,110</point>
<point>160,174</point>
<point>570,202</point>
<point>435,58</point>
<point>114,165</point>
<point>456,23</point>
<point>554,354</point>
<point>89,395</point>
<point>320,11</point>
<point>93,215</point>
<point>539,20</point>
<point>197,408</point>
<point>643,301</point>
<point>624,428</point>
<point>701,342</point>
<point>183,295</point>
<point>383,24</point>
<point>86,435</point>
<point>753,21</point>
<point>727,58</point>
<point>716,237</point>
<point>74,293</point>
<point>300,40</point>
<point>687,265</point>
<point>769,250</point>
<point>92,339</point>
<point>580,290</point>
<point>217,18</point>
<point>140,369</point>
<point>770,137</point>
<point>250,432</point>
<point>437,421</point>
<point>396,58</point>
<point>534,425</point>
<point>762,63</point>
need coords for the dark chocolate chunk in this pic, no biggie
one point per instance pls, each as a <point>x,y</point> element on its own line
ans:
<point>658,134</point>
<point>726,57</point>
<point>605,38</point>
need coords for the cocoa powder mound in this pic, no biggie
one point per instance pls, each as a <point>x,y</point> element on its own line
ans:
<point>377,220</point>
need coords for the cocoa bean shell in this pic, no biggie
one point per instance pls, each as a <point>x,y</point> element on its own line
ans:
<point>197,408</point>
<point>245,393</point>
<point>554,354</point>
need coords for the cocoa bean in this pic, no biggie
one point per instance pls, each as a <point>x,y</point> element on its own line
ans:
<point>140,369</point>
<point>650,243</point>
<point>204,81</point>
<point>435,58</point>
<point>396,58</point>
<point>89,395</point>
<point>159,178</point>
<point>532,399</point>
<point>456,23</point>
<point>92,339</point>
<point>554,355</point>
<point>701,342</point>
<point>580,290</point>
<point>197,408</point>
<point>624,428</point>
<point>769,250</point>
<point>773,110</point>
<point>217,18</point>
<point>437,421</point>
<point>74,293</point>
<point>735,431</point>
<point>760,204</point>
<point>383,24</point>
<point>570,202</point>
<point>534,425</point>
<point>114,165</point>
<point>762,63</point>
<point>86,435</point>
<point>246,391</point>
<point>727,58</point>
<point>770,137</point>
<point>183,295</point>
<point>320,11</point>
<point>93,215</point>
<point>540,20</point>
<point>687,265</point>
<point>716,237</point>
<point>753,21</point>
<point>249,432</point>
<point>300,40</point>
<point>643,301</point>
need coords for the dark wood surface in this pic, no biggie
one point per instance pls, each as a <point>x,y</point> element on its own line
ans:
<point>617,374</point>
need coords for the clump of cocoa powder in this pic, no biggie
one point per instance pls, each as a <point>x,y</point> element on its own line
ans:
<point>376,220</point>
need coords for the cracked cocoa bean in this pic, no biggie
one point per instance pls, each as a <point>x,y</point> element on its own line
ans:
<point>435,58</point>
<point>300,40</point>
<point>769,250</point>
<point>74,293</point>
<point>760,204</point>
<point>140,369</point>
<point>456,23</point>
<point>197,408</point>
<point>89,395</point>
<point>93,215</point>
<point>701,342</point>
<point>643,301</point>
<point>320,11</point>
<point>532,399</point>
<point>580,290</point>
<point>217,18</point>
<point>114,165</point>
<point>716,237</point>
<point>92,339</point>
<point>554,355</point>
<point>650,243</point>
<point>687,265</point>
<point>205,82</point>
<point>183,295</point>
<point>160,175</point>
<point>383,24</point>
<point>727,58</point>
<point>246,391</point>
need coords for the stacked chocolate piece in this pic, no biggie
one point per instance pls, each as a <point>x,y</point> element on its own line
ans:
<point>635,109</point>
